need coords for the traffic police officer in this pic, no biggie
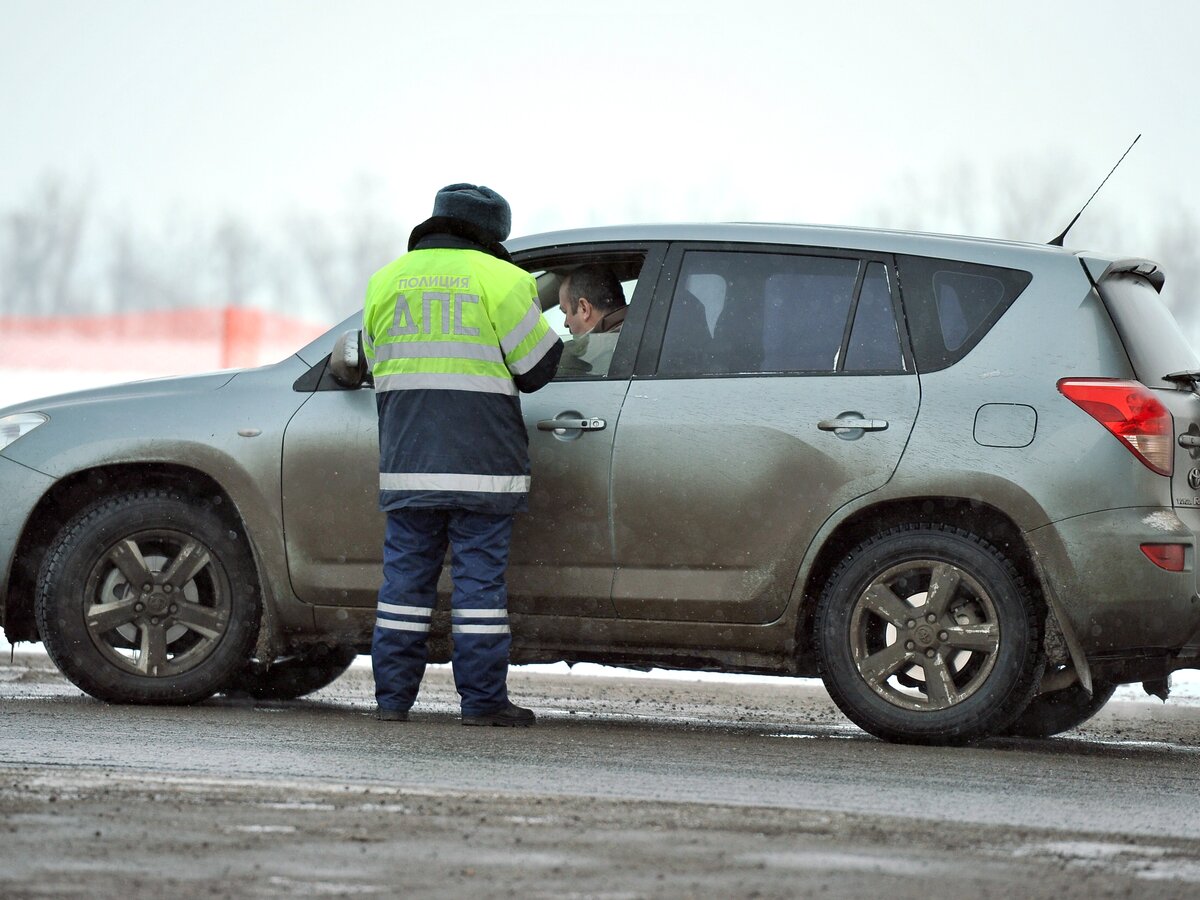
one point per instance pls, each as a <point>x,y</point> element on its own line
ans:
<point>452,331</point>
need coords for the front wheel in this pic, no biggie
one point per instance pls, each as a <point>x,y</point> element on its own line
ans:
<point>148,597</point>
<point>927,634</point>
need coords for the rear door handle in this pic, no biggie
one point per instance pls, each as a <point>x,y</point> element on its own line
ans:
<point>852,425</point>
<point>859,424</point>
<point>561,426</point>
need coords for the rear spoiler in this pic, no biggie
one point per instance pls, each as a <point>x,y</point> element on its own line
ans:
<point>1099,269</point>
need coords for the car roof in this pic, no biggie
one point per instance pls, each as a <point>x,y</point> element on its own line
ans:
<point>878,240</point>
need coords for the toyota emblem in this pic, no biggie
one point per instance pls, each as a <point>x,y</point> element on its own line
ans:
<point>1194,479</point>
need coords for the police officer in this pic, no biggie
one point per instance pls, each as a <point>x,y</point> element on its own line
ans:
<point>452,331</point>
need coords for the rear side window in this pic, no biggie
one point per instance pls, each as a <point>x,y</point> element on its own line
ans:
<point>874,339</point>
<point>951,305</point>
<point>754,313</point>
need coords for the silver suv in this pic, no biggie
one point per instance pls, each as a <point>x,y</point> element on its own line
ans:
<point>960,479</point>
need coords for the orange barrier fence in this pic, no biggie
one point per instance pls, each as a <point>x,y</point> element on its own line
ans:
<point>165,342</point>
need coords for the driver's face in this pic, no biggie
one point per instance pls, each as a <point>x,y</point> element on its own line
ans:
<point>575,321</point>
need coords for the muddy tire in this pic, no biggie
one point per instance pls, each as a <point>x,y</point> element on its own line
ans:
<point>1051,714</point>
<point>148,597</point>
<point>295,676</point>
<point>926,634</point>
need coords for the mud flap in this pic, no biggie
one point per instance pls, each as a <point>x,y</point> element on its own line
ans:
<point>1056,626</point>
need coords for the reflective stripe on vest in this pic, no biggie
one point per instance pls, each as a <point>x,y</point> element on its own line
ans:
<point>445,381</point>
<point>439,350</point>
<point>439,481</point>
<point>534,356</point>
<point>512,340</point>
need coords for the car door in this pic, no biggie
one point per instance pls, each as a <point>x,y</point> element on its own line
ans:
<point>332,524</point>
<point>782,389</point>
<point>562,556</point>
<point>562,552</point>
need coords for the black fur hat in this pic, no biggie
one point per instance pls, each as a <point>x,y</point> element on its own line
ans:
<point>477,205</point>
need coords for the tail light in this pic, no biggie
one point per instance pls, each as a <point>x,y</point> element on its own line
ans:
<point>1131,412</point>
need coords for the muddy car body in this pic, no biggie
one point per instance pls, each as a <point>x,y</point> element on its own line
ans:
<point>960,479</point>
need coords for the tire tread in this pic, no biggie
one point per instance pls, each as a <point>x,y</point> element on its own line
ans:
<point>970,728</point>
<point>247,598</point>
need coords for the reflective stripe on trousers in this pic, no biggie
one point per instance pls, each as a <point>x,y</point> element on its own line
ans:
<point>413,553</point>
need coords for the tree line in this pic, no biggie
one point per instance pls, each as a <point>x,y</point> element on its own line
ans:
<point>59,254</point>
<point>1029,200</point>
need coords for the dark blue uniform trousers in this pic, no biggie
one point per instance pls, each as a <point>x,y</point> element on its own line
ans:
<point>413,553</point>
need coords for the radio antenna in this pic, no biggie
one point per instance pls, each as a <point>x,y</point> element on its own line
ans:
<point>1058,241</point>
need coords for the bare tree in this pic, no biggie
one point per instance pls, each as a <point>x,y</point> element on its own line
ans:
<point>373,236</point>
<point>40,247</point>
<point>338,261</point>
<point>1031,200</point>
<point>1023,200</point>
<point>1175,243</point>
<point>124,271</point>
<point>164,269</point>
<point>237,259</point>
<point>318,266</point>
<point>314,249</point>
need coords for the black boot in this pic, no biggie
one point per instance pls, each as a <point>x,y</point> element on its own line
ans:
<point>509,715</point>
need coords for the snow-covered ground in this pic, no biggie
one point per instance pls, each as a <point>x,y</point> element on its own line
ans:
<point>18,385</point>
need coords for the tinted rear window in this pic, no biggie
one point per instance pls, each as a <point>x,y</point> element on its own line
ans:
<point>756,313</point>
<point>951,305</point>
<point>1153,339</point>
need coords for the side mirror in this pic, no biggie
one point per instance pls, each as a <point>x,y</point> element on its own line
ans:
<point>347,363</point>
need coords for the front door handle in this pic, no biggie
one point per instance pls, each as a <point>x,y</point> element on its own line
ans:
<point>562,426</point>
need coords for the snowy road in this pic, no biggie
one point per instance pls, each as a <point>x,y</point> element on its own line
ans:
<point>768,777</point>
<point>659,785</point>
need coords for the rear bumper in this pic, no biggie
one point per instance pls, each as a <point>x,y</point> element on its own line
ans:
<point>1114,599</point>
<point>20,489</point>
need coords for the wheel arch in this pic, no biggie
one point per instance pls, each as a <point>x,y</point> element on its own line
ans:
<point>980,518</point>
<point>74,493</point>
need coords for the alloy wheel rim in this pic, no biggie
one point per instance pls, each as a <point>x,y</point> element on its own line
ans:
<point>924,635</point>
<point>157,603</point>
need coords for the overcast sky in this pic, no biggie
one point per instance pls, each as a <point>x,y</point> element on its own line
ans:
<point>593,113</point>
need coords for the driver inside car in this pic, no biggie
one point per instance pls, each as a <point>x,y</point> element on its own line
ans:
<point>594,306</point>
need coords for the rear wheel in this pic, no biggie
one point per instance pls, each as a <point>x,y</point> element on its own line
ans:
<point>148,597</point>
<point>295,676</point>
<point>926,634</point>
<point>1051,714</point>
